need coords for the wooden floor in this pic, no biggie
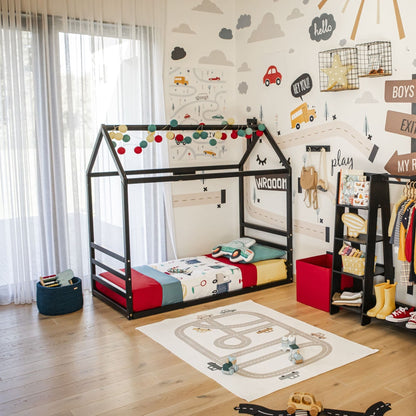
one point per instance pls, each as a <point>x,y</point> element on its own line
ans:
<point>94,362</point>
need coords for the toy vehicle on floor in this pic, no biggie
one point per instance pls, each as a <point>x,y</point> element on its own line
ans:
<point>230,367</point>
<point>303,401</point>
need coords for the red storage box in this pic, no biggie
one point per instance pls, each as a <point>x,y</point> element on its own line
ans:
<point>313,281</point>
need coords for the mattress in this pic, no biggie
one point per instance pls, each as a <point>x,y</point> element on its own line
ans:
<point>191,278</point>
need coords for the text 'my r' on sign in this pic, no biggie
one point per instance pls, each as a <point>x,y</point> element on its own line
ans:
<point>400,91</point>
<point>401,123</point>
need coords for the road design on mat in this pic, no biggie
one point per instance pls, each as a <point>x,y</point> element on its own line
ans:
<point>238,336</point>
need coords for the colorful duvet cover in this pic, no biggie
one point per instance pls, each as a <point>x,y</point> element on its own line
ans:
<point>191,278</point>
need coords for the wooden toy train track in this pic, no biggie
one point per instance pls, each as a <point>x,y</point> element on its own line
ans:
<point>377,409</point>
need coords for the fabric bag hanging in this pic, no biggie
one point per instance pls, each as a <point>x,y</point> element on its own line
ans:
<point>323,178</point>
<point>308,182</point>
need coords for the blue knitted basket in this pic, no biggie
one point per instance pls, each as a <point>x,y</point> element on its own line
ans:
<point>59,300</point>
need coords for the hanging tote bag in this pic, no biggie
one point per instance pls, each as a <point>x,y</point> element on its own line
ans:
<point>308,182</point>
<point>323,178</point>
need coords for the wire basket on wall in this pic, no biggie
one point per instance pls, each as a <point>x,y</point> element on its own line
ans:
<point>374,59</point>
<point>338,69</point>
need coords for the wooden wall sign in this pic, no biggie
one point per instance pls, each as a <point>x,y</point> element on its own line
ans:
<point>271,182</point>
<point>400,91</point>
<point>401,123</point>
<point>401,165</point>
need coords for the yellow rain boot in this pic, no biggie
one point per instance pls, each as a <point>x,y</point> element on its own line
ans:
<point>389,301</point>
<point>379,291</point>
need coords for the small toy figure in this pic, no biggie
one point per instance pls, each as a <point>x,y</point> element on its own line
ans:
<point>295,356</point>
<point>285,344</point>
<point>230,367</point>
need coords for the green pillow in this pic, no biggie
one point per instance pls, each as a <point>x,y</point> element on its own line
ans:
<point>265,253</point>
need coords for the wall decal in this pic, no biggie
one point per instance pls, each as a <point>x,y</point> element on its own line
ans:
<point>244,21</point>
<point>242,88</point>
<point>400,91</point>
<point>322,27</point>
<point>202,198</point>
<point>296,14</point>
<point>261,162</point>
<point>216,57</point>
<point>225,33</point>
<point>301,86</point>
<point>401,123</point>
<point>183,28</point>
<point>302,227</point>
<point>366,98</point>
<point>358,16</point>
<point>328,130</point>
<point>178,53</point>
<point>272,76</point>
<point>208,6</point>
<point>244,67</point>
<point>271,182</point>
<point>267,29</point>
<point>301,114</point>
<point>341,161</point>
<point>404,165</point>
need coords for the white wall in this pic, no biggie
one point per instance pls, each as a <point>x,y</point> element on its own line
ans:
<point>288,46</point>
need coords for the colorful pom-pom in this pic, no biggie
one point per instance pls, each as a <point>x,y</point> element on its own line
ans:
<point>241,133</point>
<point>143,144</point>
<point>122,128</point>
<point>262,127</point>
<point>187,139</point>
<point>249,136</point>
<point>151,128</point>
<point>223,136</point>
<point>234,134</point>
<point>212,142</point>
<point>150,137</point>
<point>195,135</point>
<point>217,135</point>
<point>112,134</point>
<point>126,138</point>
<point>170,135</point>
<point>173,123</point>
<point>138,150</point>
<point>203,135</point>
<point>114,143</point>
<point>249,131</point>
<point>230,121</point>
<point>118,136</point>
<point>158,138</point>
<point>259,133</point>
<point>121,150</point>
<point>179,137</point>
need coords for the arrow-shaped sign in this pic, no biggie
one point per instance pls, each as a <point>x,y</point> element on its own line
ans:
<point>403,165</point>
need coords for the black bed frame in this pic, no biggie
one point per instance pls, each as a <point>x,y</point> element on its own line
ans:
<point>181,174</point>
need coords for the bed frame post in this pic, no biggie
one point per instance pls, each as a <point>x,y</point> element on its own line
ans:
<point>127,264</point>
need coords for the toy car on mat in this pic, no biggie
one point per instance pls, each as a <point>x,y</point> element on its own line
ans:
<point>303,401</point>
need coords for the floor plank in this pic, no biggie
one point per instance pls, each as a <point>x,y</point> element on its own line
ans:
<point>94,362</point>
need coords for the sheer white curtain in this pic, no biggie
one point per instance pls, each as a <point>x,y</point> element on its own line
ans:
<point>65,68</point>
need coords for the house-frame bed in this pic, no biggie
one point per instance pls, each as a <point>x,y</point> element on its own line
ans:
<point>119,292</point>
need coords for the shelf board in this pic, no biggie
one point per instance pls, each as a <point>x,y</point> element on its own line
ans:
<point>379,270</point>
<point>355,309</point>
<point>361,239</point>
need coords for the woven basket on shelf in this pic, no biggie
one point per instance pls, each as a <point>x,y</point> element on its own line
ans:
<point>355,265</point>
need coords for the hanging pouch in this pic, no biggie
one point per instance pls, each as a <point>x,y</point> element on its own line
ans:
<point>308,182</point>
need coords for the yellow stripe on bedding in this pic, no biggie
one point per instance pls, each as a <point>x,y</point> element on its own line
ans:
<point>270,270</point>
